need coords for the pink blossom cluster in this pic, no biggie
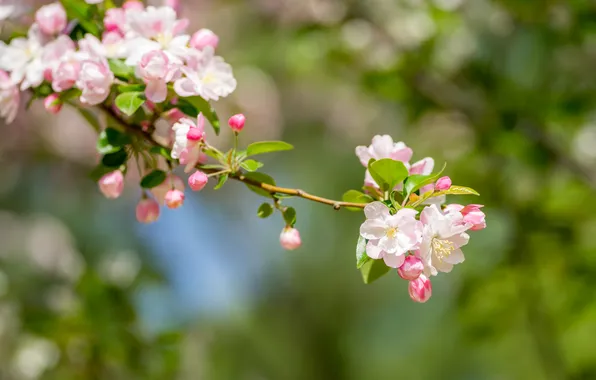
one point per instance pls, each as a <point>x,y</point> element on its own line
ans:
<point>419,244</point>
<point>152,41</point>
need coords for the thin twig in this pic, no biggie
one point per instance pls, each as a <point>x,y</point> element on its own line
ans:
<point>271,189</point>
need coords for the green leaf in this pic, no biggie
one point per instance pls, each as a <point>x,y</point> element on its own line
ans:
<point>265,210</point>
<point>355,196</point>
<point>290,216</point>
<point>90,117</point>
<point>422,198</point>
<point>121,69</point>
<point>155,178</point>
<point>130,102</point>
<point>260,177</point>
<point>267,147</point>
<point>221,181</point>
<point>387,173</point>
<point>79,10</point>
<point>251,165</point>
<point>67,95</point>
<point>416,181</point>
<point>373,270</point>
<point>160,150</point>
<point>116,159</point>
<point>203,106</point>
<point>457,190</point>
<point>111,140</point>
<point>361,256</point>
<point>394,201</point>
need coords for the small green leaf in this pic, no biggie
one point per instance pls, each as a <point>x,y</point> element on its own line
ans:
<point>131,87</point>
<point>265,210</point>
<point>155,178</point>
<point>387,173</point>
<point>67,95</point>
<point>267,147</point>
<point>260,177</point>
<point>250,165</point>
<point>221,181</point>
<point>355,196</point>
<point>373,270</point>
<point>116,159</point>
<point>130,102</point>
<point>160,150</point>
<point>79,10</point>
<point>361,256</point>
<point>395,202</point>
<point>90,117</point>
<point>200,105</point>
<point>423,198</point>
<point>457,190</point>
<point>416,181</point>
<point>290,216</point>
<point>111,140</point>
<point>121,70</point>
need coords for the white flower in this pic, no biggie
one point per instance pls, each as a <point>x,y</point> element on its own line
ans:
<point>384,147</point>
<point>442,238</point>
<point>390,236</point>
<point>95,80</point>
<point>23,59</point>
<point>206,75</point>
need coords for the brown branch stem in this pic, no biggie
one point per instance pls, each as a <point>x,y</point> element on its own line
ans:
<point>238,176</point>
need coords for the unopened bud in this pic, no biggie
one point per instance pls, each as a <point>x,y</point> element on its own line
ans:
<point>174,198</point>
<point>112,184</point>
<point>147,210</point>
<point>133,5</point>
<point>204,38</point>
<point>420,289</point>
<point>51,18</point>
<point>195,134</point>
<point>52,103</point>
<point>198,180</point>
<point>236,122</point>
<point>290,238</point>
<point>411,269</point>
<point>443,183</point>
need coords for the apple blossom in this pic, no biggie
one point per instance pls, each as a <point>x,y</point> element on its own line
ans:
<point>198,180</point>
<point>383,147</point>
<point>171,181</point>
<point>420,289</point>
<point>51,18</point>
<point>52,103</point>
<point>115,20</point>
<point>188,150</point>
<point>174,198</point>
<point>442,238</point>
<point>9,98</point>
<point>443,183</point>
<point>156,71</point>
<point>147,210</point>
<point>411,268</point>
<point>112,184</point>
<point>133,5</point>
<point>390,236</point>
<point>23,59</point>
<point>236,122</point>
<point>290,239</point>
<point>95,81</point>
<point>203,38</point>
<point>473,216</point>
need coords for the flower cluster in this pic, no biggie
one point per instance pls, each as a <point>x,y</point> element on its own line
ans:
<point>418,236</point>
<point>138,67</point>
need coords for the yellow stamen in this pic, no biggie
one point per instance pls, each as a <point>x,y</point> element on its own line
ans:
<point>392,232</point>
<point>442,248</point>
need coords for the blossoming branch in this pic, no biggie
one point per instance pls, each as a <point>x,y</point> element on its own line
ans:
<point>137,65</point>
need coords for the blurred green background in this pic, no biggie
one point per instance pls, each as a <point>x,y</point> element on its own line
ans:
<point>503,91</point>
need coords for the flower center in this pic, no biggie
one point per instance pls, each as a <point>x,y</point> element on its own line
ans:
<point>442,248</point>
<point>392,232</point>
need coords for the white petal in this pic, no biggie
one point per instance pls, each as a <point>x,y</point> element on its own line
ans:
<point>382,146</point>
<point>394,261</point>
<point>373,229</point>
<point>389,245</point>
<point>373,251</point>
<point>376,210</point>
<point>455,257</point>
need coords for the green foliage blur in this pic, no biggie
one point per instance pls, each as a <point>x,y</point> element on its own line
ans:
<point>503,91</point>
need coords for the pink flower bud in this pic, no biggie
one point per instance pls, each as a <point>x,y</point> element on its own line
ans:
<point>112,184</point>
<point>147,210</point>
<point>51,18</point>
<point>95,81</point>
<point>443,183</point>
<point>173,115</point>
<point>198,180</point>
<point>174,198</point>
<point>52,103</point>
<point>65,75</point>
<point>236,122</point>
<point>420,289</point>
<point>290,238</point>
<point>411,269</point>
<point>203,38</point>
<point>473,215</point>
<point>133,5</point>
